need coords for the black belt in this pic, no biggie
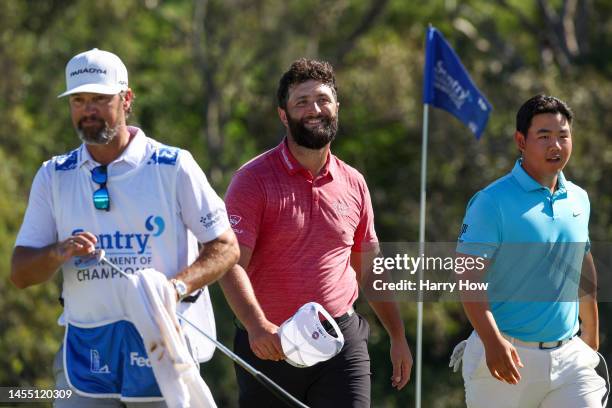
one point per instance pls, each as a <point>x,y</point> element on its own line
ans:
<point>542,345</point>
<point>343,318</point>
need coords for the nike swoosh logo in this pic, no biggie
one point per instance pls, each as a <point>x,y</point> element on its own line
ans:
<point>575,214</point>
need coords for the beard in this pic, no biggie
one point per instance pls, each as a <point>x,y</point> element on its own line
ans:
<point>99,134</point>
<point>317,137</point>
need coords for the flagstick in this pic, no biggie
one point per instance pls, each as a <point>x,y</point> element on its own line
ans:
<point>419,346</point>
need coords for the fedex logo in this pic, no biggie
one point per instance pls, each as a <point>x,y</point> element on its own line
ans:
<point>138,360</point>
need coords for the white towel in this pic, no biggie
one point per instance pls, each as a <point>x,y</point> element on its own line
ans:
<point>149,302</point>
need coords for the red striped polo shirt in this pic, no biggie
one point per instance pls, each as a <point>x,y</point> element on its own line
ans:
<point>301,229</point>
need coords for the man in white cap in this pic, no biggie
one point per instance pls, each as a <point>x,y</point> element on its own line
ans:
<point>147,205</point>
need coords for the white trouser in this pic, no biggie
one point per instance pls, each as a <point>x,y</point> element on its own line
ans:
<point>563,377</point>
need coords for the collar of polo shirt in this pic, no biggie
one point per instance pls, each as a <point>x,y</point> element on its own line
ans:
<point>133,154</point>
<point>530,184</point>
<point>293,166</point>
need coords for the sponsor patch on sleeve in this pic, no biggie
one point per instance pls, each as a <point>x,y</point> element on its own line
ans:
<point>164,155</point>
<point>213,218</point>
<point>234,221</point>
<point>67,161</point>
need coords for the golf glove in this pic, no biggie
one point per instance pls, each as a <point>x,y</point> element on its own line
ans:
<point>457,356</point>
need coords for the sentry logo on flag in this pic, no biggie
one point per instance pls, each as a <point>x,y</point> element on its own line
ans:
<point>447,85</point>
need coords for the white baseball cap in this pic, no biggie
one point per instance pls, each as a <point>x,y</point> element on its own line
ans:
<point>305,341</point>
<point>95,71</point>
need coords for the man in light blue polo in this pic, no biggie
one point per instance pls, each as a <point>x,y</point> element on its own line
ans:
<point>532,227</point>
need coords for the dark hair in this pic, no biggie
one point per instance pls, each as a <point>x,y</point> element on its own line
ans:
<point>304,70</point>
<point>541,104</point>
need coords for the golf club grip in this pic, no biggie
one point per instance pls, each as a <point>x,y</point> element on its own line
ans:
<point>289,399</point>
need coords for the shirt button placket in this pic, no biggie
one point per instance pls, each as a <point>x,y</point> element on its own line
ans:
<point>315,199</point>
<point>552,207</point>
<point>549,202</point>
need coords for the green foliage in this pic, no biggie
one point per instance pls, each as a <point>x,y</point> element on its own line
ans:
<point>205,74</point>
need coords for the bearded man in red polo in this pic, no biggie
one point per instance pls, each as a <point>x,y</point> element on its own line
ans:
<point>305,226</point>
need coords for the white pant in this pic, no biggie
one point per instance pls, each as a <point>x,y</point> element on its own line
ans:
<point>559,378</point>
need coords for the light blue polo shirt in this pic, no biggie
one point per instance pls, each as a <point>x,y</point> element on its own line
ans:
<point>536,241</point>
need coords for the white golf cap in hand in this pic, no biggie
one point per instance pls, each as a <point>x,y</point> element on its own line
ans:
<point>304,339</point>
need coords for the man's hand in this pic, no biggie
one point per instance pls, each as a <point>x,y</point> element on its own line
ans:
<point>81,244</point>
<point>389,315</point>
<point>265,341</point>
<point>263,334</point>
<point>401,358</point>
<point>503,360</point>
<point>31,266</point>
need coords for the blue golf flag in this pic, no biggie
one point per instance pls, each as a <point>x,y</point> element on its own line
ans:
<point>448,86</point>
